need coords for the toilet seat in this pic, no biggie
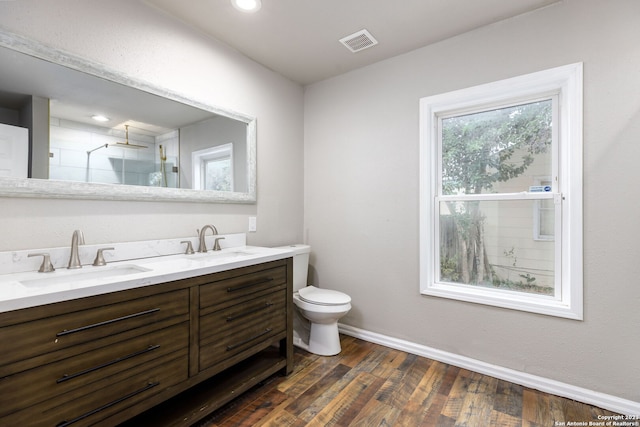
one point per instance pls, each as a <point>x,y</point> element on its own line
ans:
<point>318,296</point>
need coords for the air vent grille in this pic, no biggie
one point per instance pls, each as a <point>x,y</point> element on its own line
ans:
<point>359,41</point>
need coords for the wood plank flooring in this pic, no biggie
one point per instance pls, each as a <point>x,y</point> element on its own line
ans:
<point>370,385</point>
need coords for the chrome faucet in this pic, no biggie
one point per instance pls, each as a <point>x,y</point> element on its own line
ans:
<point>202,247</point>
<point>74,259</point>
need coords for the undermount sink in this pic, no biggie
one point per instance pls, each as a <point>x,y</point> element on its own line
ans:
<point>218,254</point>
<point>206,259</point>
<point>92,273</point>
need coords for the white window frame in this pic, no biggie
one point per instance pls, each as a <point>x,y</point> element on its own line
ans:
<point>200,158</point>
<point>566,83</point>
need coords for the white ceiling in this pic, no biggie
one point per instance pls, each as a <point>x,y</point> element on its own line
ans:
<point>299,38</point>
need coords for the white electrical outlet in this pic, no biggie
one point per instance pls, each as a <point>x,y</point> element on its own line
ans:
<point>253,222</point>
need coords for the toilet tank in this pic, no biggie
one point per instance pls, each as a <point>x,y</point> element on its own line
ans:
<point>300,264</point>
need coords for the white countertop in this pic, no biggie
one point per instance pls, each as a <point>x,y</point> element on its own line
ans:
<point>30,288</point>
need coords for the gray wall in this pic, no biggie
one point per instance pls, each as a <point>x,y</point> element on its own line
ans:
<point>361,194</point>
<point>140,41</point>
<point>38,137</point>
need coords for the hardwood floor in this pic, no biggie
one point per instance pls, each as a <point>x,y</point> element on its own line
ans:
<point>371,385</point>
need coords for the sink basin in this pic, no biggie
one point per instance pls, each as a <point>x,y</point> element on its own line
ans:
<point>218,254</point>
<point>91,273</point>
<point>210,258</point>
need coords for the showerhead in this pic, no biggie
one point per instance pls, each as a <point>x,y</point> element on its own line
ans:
<point>126,143</point>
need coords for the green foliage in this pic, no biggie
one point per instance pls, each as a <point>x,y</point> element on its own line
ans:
<point>529,278</point>
<point>449,269</point>
<point>522,287</point>
<point>511,253</point>
<point>478,149</point>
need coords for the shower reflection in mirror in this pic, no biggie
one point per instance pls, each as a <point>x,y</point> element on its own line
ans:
<point>122,155</point>
<point>206,155</point>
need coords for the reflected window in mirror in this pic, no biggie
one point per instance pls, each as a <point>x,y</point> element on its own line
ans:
<point>213,168</point>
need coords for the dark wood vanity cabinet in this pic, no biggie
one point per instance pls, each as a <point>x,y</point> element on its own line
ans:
<point>155,355</point>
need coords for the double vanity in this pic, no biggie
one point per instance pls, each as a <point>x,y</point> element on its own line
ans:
<point>144,333</point>
<point>156,336</point>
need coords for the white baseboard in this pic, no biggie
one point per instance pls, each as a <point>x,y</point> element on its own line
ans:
<point>602,400</point>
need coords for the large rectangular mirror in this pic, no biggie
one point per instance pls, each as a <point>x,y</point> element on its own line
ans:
<point>153,144</point>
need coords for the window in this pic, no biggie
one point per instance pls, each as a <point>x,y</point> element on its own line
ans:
<point>501,193</point>
<point>213,168</point>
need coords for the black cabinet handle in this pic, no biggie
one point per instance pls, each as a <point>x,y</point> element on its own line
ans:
<point>108,405</point>
<point>67,377</point>
<point>248,312</point>
<point>241,343</point>
<point>248,285</point>
<point>106,322</point>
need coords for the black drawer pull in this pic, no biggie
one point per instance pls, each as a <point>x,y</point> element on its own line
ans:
<point>67,377</point>
<point>248,285</point>
<point>241,343</point>
<point>106,322</point>
<point>248,312</point>
<point>108,405</point>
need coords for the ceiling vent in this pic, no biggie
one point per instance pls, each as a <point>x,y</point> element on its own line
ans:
<point>359,41</point>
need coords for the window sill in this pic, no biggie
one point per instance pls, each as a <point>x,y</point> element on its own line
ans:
<point>540,304</point>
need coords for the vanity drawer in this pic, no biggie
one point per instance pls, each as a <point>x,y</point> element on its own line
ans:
<point>50,334</point>
<point>57,380</point>
<point>105,398</point>
<point>227,292</point>
<point>236,329</point>
<point>239,316</point>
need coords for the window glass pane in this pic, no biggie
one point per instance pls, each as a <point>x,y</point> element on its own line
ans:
<point>544,214</point>
<point>546,218</point>
<point>491,244</point>
<point>218,174</point>
<point>496,151</point>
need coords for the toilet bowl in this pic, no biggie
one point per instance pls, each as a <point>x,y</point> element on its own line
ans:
<point>315,328</point>
<point>322,308</point>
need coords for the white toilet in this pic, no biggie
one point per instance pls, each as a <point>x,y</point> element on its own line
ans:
<point>315,325</point>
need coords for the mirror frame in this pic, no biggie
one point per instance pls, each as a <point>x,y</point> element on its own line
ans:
<point>41,188</point>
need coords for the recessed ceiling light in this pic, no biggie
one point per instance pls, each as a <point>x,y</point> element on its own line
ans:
<point>247,5</point>
<point>100,118</point>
